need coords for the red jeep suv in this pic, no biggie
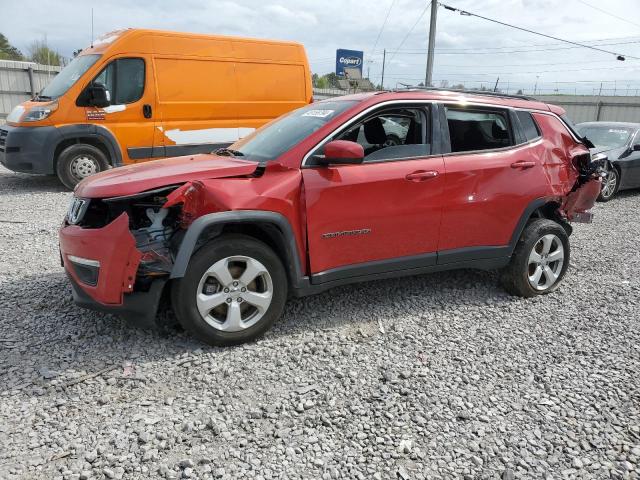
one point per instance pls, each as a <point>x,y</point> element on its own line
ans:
<point>349,189</point>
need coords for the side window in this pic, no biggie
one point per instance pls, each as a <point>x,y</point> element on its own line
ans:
<point>528,124</point>
<point>471,130</point>
<point>107,78</point>
<point>124,78</point>
<point>391,135</point>
<point>129,80</point>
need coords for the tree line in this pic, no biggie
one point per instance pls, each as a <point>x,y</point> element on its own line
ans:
<point>38,52</point>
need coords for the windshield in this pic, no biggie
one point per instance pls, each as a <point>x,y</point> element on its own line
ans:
<point>278,136</point>
<point>67,77</point>
<point>606,136</point>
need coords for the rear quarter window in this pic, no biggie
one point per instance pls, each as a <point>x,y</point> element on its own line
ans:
<point>529,127</point>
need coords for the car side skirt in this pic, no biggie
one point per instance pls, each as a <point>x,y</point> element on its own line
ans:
<point>403,267</point>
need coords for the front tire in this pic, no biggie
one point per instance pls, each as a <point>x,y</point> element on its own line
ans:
<point>610,184</point>
<point>234,289</point>
<point>79,161</point>
<point>539,261</point>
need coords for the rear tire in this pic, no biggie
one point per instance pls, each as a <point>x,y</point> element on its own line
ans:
<point>234,289</point>
<point>79,161</point>
<point>539,261</point>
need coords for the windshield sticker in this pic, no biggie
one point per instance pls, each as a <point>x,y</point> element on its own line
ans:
<point>318,113</point>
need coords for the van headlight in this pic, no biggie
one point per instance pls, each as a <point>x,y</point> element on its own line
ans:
<point>39,112</point>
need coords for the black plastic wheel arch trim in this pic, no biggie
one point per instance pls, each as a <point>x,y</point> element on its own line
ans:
<point>95,132</point>
<point>254,217</point>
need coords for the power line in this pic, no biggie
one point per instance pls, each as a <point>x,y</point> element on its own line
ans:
<point>410,30</point>
<point>518,65</point>
<point>383,25</point>
<point>609,13</point>
<point>632,38</point>
<point>469,14</point>
<point>482,52</point>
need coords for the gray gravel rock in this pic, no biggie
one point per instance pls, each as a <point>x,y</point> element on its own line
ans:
<point>437,376</point>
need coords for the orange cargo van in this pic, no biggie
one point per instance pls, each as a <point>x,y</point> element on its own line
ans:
<point>138,95</point>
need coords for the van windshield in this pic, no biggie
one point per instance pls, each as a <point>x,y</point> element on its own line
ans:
<point>275,138</point>
<point>68,76</point>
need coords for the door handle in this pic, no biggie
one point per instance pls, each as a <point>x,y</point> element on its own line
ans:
<point>421,175</point>
<point>523,164</point>
<point>146,110</point>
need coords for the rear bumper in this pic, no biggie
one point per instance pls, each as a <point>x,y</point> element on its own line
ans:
<point>578,203</point>
<point>28,149</point>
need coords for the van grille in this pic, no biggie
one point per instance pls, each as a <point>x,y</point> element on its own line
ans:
<point>3,138</point>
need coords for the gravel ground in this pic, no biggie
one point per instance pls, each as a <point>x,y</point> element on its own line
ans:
<point>437,376</point>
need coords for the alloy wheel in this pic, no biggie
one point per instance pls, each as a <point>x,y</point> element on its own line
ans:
<point>609,183</point>
<point>234,293</point>
<point>545,262</point>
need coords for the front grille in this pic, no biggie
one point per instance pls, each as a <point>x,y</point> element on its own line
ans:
<point>77,209</point>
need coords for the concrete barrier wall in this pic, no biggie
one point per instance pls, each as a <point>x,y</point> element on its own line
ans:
<point>589,108</point>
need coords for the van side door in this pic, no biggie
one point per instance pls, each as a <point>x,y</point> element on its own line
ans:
<point>131,115</point>
<point>197,98</point>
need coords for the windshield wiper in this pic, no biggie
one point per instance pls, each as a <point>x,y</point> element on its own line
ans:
<point>39,98</point>
<point>228,152</point>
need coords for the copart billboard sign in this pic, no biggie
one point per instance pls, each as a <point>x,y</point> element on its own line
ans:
<point>348,59</point>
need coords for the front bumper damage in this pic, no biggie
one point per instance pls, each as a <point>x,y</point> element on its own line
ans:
<point>102,264</point>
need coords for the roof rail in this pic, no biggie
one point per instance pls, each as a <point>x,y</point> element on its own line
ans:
<point>458,90</point>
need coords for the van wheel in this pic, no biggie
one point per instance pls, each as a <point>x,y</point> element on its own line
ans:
<point>234,289</point>
<point>79,161</point>
<point>539,261</point>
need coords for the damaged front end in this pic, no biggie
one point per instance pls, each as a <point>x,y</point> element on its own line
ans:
<point>118,252</point>
<point>577,204</point>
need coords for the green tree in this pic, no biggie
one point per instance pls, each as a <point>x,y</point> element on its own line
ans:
<point>8,51</point>
<point>322,82</point>
<point>332,78</point>
<point>40,53</point>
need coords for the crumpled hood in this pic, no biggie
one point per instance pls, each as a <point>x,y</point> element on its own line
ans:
<point>158,173</point>
<point>613,153</point>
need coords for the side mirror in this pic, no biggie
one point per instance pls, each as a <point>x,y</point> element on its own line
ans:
<point>99,96</point>
<point>636,147</point>
<point>340,152</point>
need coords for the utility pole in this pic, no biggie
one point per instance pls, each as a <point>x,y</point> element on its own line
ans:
<point>432,43</point>
<point>384,57</point>
<point>535,87</point>
<point>495,88</point>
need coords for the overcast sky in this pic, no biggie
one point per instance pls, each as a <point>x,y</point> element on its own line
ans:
<point>469,50</point>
